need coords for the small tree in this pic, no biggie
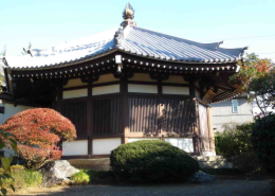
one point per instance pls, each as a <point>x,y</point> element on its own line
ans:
<point>264,91</point>
<point>38,132</point>
<point>256,75</point>
<point>252,67</point>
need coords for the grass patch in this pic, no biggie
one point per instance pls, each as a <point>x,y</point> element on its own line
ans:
<point>100,177</point>
<point>81,177</point>
<point>23,178</point>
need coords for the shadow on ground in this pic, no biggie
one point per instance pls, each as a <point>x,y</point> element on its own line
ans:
<point>217,188</point>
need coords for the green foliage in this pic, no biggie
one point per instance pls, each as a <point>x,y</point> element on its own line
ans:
<point>263,139</point>
<point>7,141</point>
<point>152,161</point>
<point>22,178</point>
<point>234,141</point>
<point>81,177</point>
<point>235,145</point>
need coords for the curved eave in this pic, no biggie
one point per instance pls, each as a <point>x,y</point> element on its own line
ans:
<point>87,59</point>
<point>182,62</point>
<point>63,64</point>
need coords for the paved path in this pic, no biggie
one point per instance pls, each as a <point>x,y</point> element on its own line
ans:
<point>218,188</point>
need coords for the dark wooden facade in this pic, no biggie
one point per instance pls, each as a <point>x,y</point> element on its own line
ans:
<point>125,114</point>
<point>125,108</point>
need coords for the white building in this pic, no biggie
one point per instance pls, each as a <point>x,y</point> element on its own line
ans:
<point>231,112</point>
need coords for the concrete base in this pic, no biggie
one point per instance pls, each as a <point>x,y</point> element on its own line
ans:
<point>215,162</point>
<point>101,164</point>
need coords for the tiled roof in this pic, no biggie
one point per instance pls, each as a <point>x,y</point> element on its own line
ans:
<point>132,40</point>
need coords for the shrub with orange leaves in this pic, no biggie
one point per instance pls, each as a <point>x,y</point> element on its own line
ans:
<point>38,132</point>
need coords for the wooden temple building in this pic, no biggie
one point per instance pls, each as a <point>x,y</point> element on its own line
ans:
<point>126,85</point>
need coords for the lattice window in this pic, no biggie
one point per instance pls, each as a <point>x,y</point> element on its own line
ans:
<point>234,105</point>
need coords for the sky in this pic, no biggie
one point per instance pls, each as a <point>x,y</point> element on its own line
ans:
<point>238,23</point>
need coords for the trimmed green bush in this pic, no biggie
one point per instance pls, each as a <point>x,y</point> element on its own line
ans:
<point>80,178</point>
<point>263,139</point>
<point>152,161</point>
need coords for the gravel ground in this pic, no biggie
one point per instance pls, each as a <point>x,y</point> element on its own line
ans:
<point>217,188</point>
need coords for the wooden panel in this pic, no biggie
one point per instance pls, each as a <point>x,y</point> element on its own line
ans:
<point>105,78</point>
<point>76,111</point>
<point>74,83</point>
<point>142,77</point>
<point>178,115</point>
<point>106,116</point>
<point>175,79</point>
<point>143,112</point>
<point>155,115</point>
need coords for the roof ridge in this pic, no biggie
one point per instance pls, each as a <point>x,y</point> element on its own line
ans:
<point>121,34</point>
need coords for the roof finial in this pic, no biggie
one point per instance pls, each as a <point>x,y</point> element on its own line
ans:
<point>128,15</point>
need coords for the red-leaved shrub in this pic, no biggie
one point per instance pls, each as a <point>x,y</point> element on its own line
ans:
<point>38,132</point>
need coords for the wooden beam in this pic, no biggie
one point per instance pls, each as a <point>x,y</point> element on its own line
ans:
<point>124,117</point>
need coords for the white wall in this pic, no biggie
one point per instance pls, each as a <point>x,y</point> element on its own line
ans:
<point>185,144</point>
<point>108,89</point>
<point>105,146</point>
<point>222,114</point>
<point>139,88</point>
<point>68,94</point>
<point>10,110</point>
<point>78,147</point>
<point>175,90</point>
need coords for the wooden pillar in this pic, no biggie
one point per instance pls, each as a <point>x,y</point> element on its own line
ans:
<point>196,138</point>
<point>192,88</point>
<point>90,120</point>
<point>124,114</point>
<point>196,133</point>
<point>210,131</point>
